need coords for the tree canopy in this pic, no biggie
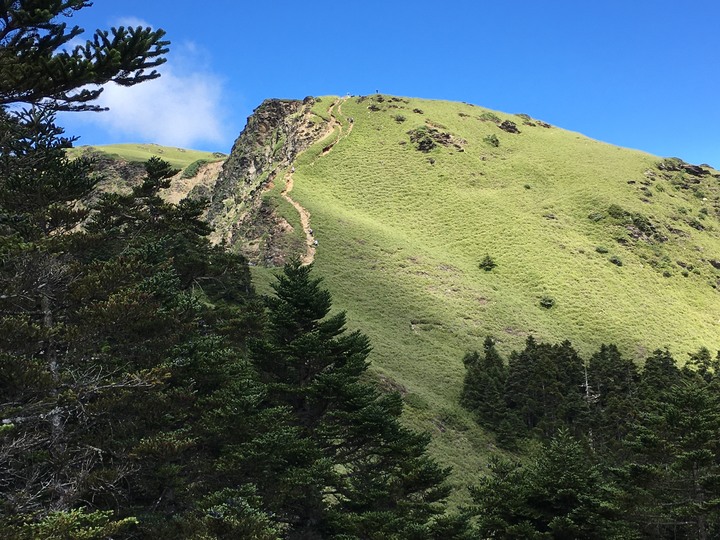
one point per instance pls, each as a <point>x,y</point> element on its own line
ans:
<point>38,66</point>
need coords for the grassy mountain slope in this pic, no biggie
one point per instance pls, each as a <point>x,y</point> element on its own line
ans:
<point>177,157</point>
<point>401,233</point>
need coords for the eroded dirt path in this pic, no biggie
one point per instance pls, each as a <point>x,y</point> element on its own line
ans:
<point>333,125</point>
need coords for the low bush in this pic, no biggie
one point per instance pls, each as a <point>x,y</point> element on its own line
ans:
<point>492,140</point>
<point>487,116</point>
<point>192,169</point>
<point>547,302</point>
<point>616,211</point>
<point>487,263</point>
<point>422,138</point>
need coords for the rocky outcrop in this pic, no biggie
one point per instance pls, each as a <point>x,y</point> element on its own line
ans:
<point>275,134</point>
<point>509,126</point>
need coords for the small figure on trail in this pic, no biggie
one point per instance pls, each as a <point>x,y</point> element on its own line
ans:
<point>315,242</point>
<point>310,231</point>
<point>292,170</point>
<point>351,120</point>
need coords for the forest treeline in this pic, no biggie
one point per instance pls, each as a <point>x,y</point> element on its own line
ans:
<point>615,451</point>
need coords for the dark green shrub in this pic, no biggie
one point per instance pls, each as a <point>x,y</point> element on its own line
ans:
<point>492,140</point>
<point>423,139</point>
<point>487,116</point>
<point>527,186</point>
<point>399,118</point>
<point>644,224</point>
<point>616,260</point>
<point>192,169</point>
<point>596,216</point>
<point>616,211</point>
<point>695,224</point>
<point>487,263</point>
<point>601,249</point>
<point>547,302</point>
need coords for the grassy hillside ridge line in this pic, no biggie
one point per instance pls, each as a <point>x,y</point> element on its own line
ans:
<point>141,152</point>
<point>120,167</point>
<point>517,195</point>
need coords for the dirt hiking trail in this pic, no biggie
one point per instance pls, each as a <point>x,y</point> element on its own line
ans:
<point>332,126</point>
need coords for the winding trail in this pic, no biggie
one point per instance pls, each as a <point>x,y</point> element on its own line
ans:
<point>332,124</point>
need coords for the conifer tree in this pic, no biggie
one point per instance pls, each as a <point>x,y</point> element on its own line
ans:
<point>612,394</point>
<point>484,385</point>
<point>372,477</point>
<point>659,374</point>
<point>37,69</point>
<point>544,389</point>
<point>673,476</point>
<point>559,494</point>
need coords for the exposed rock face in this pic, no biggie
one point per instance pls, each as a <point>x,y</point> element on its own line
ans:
<point>509,126</point>
<point>677,164</point>
<point>275,134</point>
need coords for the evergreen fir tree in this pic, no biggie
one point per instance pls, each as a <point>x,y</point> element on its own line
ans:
<point>659,374</point>
<point>612,395</point>
<point>94,365</point>
<point>484,386</point>
<point>544,387</point>
<point>673,477</point>
<point>559,494</point>
<point>372,478</point>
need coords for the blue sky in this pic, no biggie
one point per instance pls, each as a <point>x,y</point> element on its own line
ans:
<point>637,73</point>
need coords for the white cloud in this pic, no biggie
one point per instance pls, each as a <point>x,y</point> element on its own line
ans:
<point>184,107</point>
<point>174,110</point>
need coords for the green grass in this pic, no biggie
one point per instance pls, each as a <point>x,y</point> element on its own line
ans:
<point>401,239</point>
<point>177,157</point>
